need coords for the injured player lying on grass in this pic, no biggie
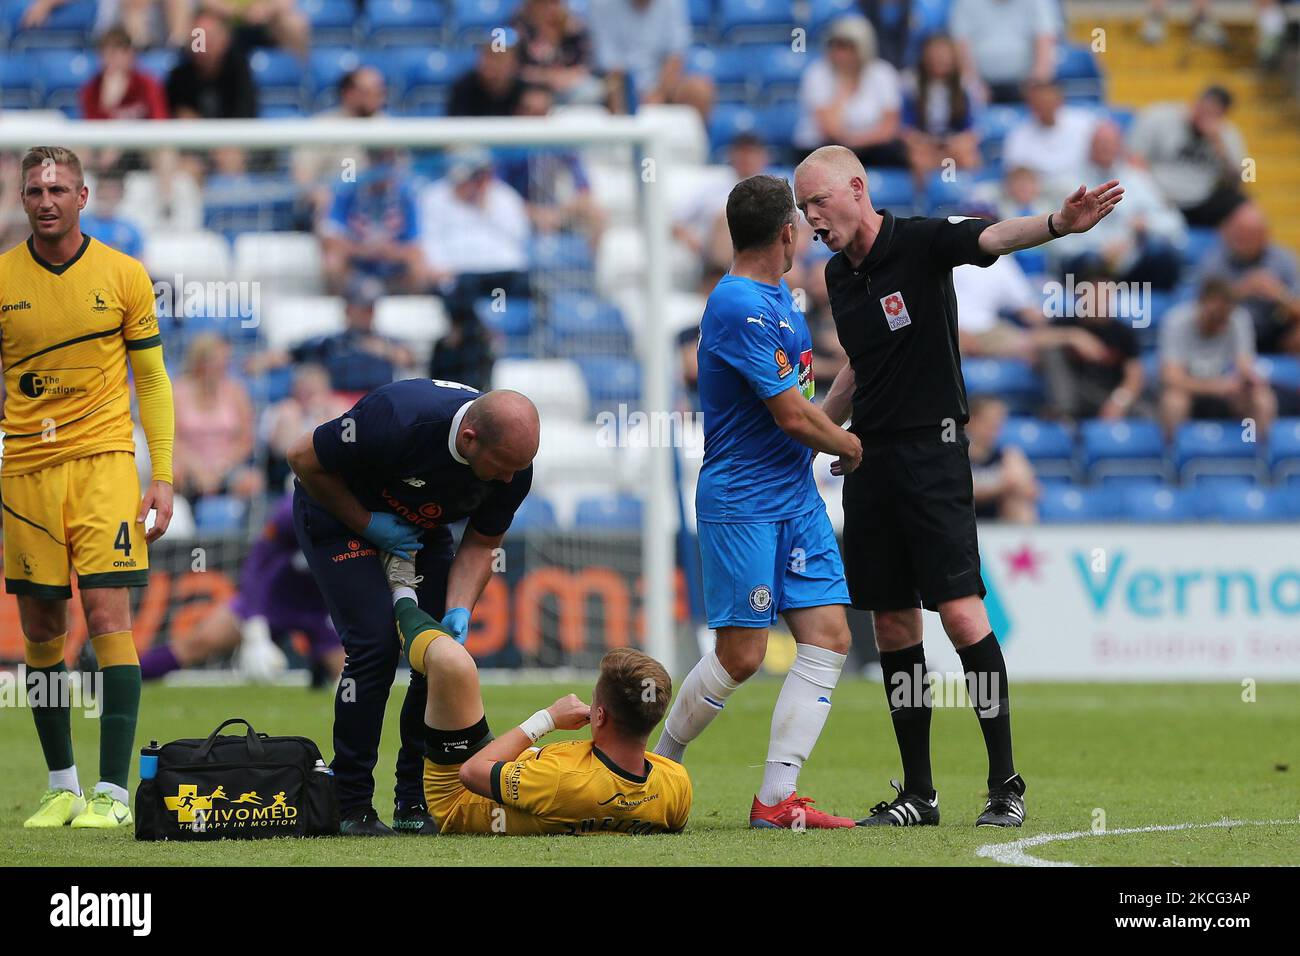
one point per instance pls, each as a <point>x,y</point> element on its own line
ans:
<point>475,783</point>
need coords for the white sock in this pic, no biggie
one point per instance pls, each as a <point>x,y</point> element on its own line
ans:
<point>798,718</point>
<point>404,591</point>
<point>65,780</point>
<point>699,699</point>
<point>116,792</point>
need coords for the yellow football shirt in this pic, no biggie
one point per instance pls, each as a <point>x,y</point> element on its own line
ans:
<point>64,335</point>
<point>571,787</point>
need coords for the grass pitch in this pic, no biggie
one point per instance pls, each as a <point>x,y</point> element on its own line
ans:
<point>1131,756</point>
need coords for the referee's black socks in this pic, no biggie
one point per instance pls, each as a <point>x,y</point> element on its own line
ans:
<point>986,682</point>
<point>907,690</point>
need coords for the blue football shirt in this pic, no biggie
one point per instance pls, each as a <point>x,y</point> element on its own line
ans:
<point>754,343</point>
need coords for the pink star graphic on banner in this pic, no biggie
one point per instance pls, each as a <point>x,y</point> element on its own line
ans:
<point>1026,561</point>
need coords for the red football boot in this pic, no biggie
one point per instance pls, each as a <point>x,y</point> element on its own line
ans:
<point>794,813</point>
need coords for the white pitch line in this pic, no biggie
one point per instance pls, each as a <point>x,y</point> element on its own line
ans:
<point>1013,852</point>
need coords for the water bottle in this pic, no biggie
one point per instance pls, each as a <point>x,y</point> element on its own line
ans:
<point>149,760</point>
<point>322,767</point>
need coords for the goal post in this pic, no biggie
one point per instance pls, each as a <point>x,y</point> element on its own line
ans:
<point>642,136</point>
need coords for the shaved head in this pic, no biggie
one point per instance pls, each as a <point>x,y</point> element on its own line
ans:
<point>830,189</point>
<point>499,434</point>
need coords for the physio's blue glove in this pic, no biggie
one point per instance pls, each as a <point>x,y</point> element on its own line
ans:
<point>456,623</point>
<point>388,532</point>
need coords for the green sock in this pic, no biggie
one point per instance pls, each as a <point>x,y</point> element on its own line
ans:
<point>411,622</point>
<point>121,690</point>
<point>48,701</point>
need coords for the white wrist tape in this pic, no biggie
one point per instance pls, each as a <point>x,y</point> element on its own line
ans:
<point>538,725</point>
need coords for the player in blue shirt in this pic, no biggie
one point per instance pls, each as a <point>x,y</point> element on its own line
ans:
<point>766,541</point>
<point>388,478</point>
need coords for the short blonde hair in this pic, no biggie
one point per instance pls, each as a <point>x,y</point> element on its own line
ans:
<point>636,689</point>
<point>58,155</point>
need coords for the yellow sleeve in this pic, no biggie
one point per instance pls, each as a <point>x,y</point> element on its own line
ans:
<point>153,392</point>
<point>528,784</point>
<point>140,317</point>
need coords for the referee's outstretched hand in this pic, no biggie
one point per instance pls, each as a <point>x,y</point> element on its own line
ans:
<point>1085,207</point>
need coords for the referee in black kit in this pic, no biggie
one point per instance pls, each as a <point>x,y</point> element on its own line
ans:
<point>909,517</point>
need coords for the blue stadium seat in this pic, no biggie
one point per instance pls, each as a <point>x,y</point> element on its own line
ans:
<point>234,204</point>
<point>583,324</point>
<point>514,319</point>
<point>332,21</point>
<point>474,20</point>
<point>1214,447</point>
<point>1157,504</point>
<point>1284,449</point>
<point>427,76</point>
<point>891,189</point>
<point>1200,240</point>
<point>1048,445</point>
<point>610,380</point>
<point>20,76</point>
<point>930,16</point>
<point>158,62</point>
<point>1236,503</point>
<point>220,514</point>
<point>703,20</point>
<point>63,74</point>
<point>273,385</point>
<point>946,197</point>
<point>1012,380</point>
<point>67,27</point>
<point>403,23</point>
<point>821,13</point>
<point>560,252</point>
<point>279,77</point>
<point>755,21</point>
<point>726,122</point>
<point>779,71</point>
<point>1280,370</point>
<point>327,65</point>
<point>1127,447</point>
<point>535,513</point>
<point>776,125</point>
<point>1077,72</point>
<point>730,68</point>
<point>609,513</point>
<point>1068,504</point>
<point>992,124</point>
<point>1121,481</point>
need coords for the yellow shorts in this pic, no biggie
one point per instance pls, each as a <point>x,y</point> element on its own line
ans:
<point>75,515</point>
<point>454,808</point>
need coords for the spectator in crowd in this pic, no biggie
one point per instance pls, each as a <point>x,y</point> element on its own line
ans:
<point>555,50</point>
<point>700,219</point>
<point>121,90</point>
<point>1092,368</point>
<point>104,223</point>
<point>1207,362</point>
<point>213,81</point>
<point>372,229</point>
<point>892,21</point>
<point>1140,240</point>
<point>358,359</point>
<point>363,94</point>
<point>1002,478</point>
<point>1203,28</point>
<point>495,84</point>
<point>852,97</point>
<point>310,402</point>
<point>939,112</point>
<point>1019,193</point>
<point>640,47</point>
<point>137,16</point>
<point>1004,43</point>
<point>266,23</point>
<point>474,232</point>
<point>552,180</point>
<point>214,425</point>
<point>1053,139</point>
<point>465,353</point>
<point>1263,277</point>
<point>987,297</point>
<point>688,360</point>
<point>1194,154</point>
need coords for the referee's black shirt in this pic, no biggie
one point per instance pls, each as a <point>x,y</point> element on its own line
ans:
<point>896,316</point>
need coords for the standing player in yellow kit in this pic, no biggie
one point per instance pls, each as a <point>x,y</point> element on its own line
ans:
<point>73,312</point>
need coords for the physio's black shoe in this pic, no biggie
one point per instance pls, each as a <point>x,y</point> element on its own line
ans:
<point>412,819</point>
<point>364,823</point>
<point>906,810</point>
<point>1006,805</point>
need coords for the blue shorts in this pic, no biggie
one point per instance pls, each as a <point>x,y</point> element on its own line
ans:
<point>753,571</point>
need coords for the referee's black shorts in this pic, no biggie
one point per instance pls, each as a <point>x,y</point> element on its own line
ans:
<point>909,523</point>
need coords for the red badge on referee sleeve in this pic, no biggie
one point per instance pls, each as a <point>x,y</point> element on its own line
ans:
<point>895,311</point>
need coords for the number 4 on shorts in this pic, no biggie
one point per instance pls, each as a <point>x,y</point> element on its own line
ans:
<point>123,540</point>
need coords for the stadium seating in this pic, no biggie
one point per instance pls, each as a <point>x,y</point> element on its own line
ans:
<point>1214,447</point>
<point>416,320</point>
<point>1066,504</point>
<point>609,513</point>
<point>1048,445</point>
<point>290,319</point>
<point>1284,450</point>
<point>556,386</point>
<point>755,21</point>
<point>583,324</point>
<point>536,513</point>
<point>286,261</point>
<point>1240,504</point>
<point>66,26</point>
<point>63,74</point>
<point>402,23</point>
<point>1013,380</point>
<point>220,514</point>
<point>474,20</point>
<point>1158,505</point>
<point>611,380</point>
<point>195,255</point>
<point>1128,447</point>
<point>332,21</point>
